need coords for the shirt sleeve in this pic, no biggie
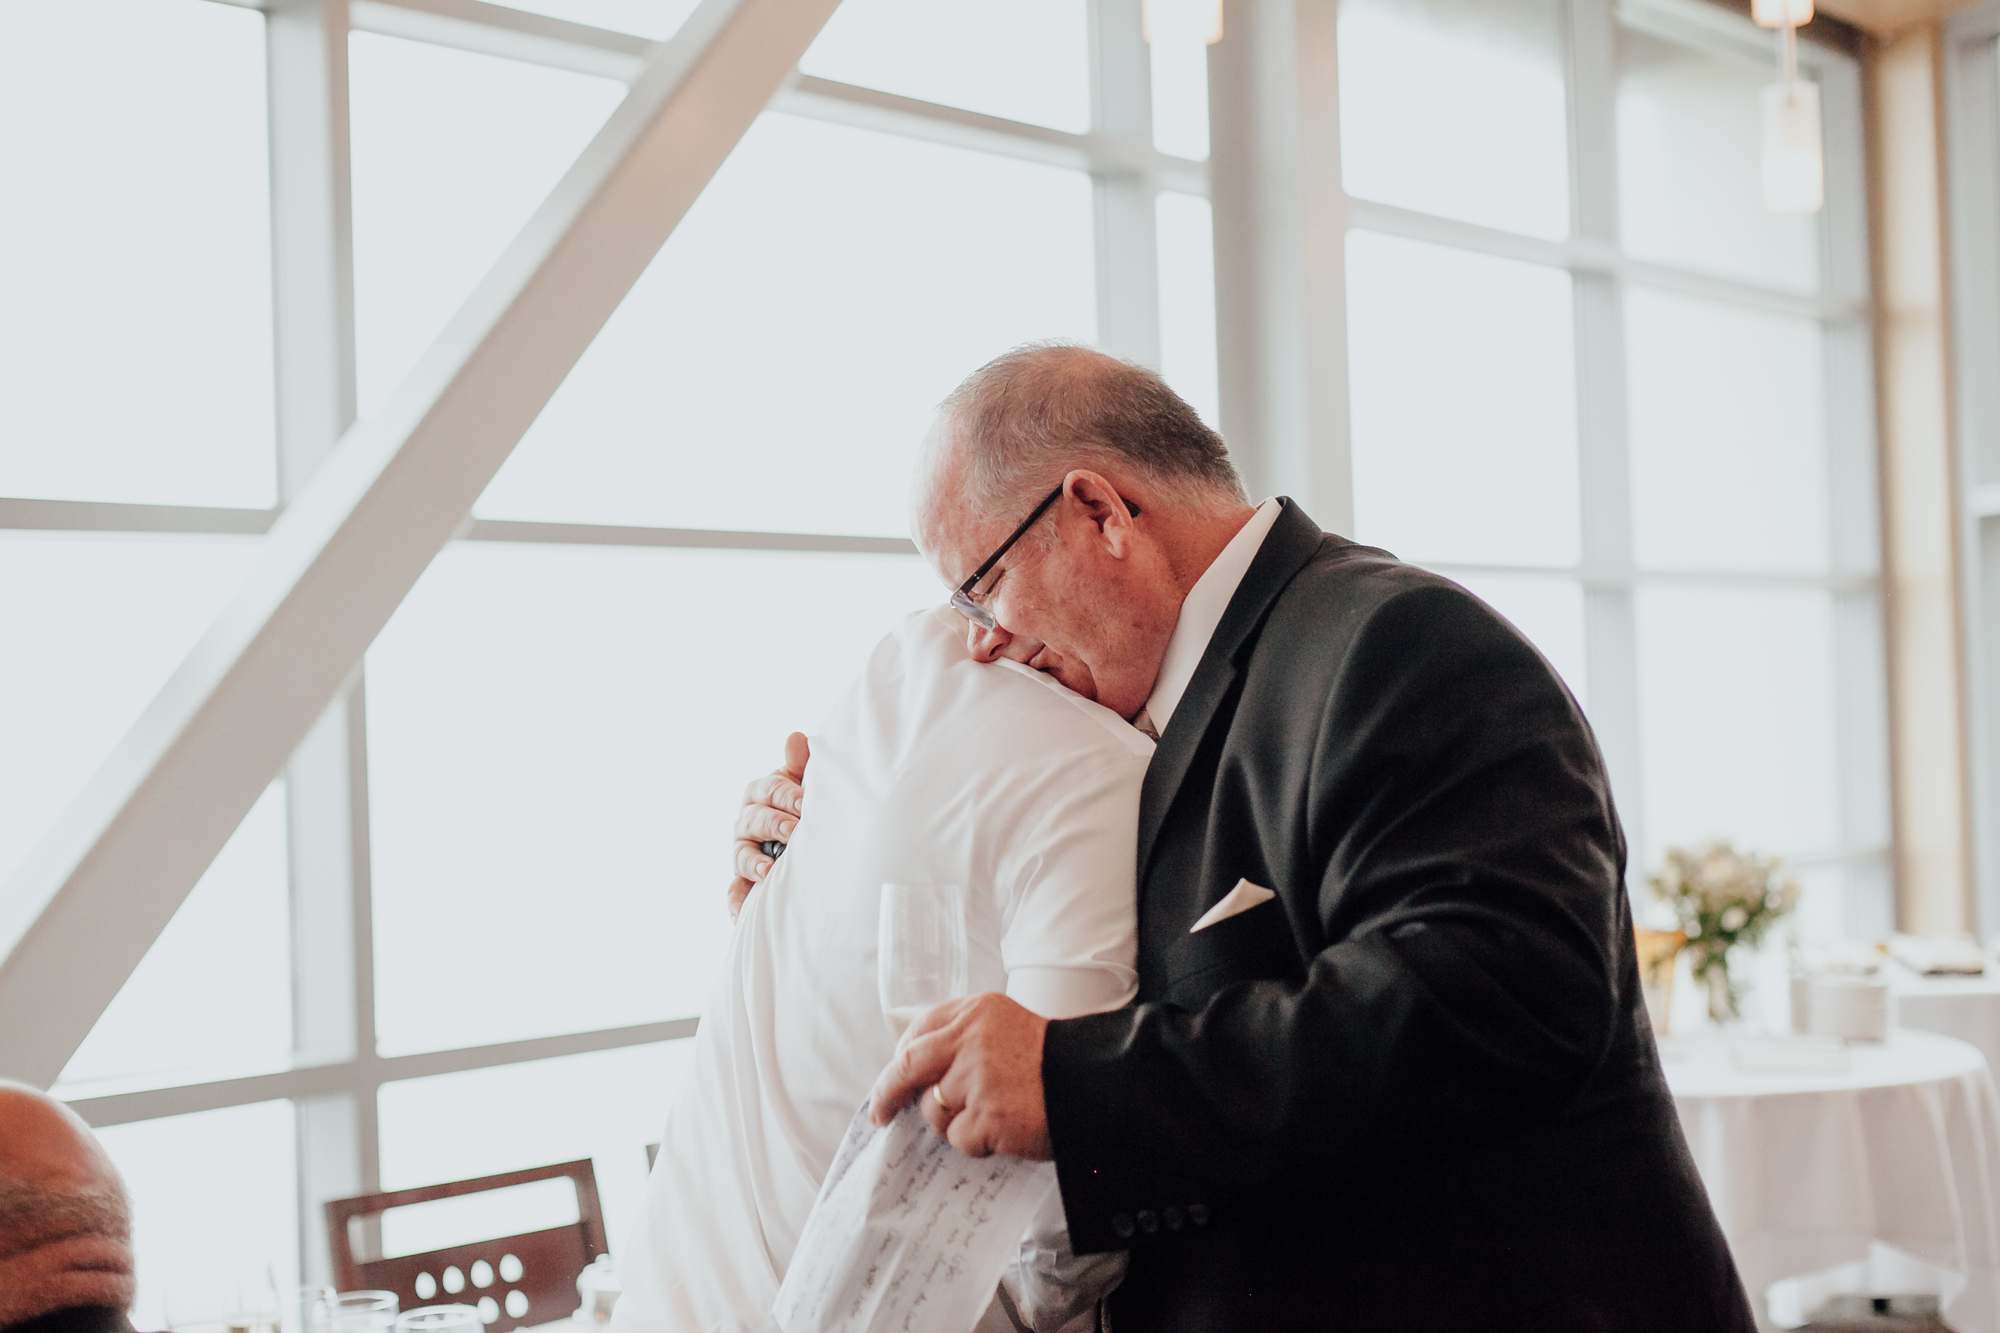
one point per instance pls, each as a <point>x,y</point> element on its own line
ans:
<point>1070,943</point>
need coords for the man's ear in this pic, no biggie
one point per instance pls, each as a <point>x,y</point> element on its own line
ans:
<point>1107,509</point>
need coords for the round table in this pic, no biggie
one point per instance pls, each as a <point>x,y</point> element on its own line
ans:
<point>1964,1007</point>
<point>1885,1178</point>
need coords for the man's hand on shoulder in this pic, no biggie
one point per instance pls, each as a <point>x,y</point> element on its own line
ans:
<point>771,808</point>
<point>976,1063</point>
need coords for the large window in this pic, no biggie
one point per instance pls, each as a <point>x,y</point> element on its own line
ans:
<point>1596,381</point>
<point>535,769</point>
<point>137,289</point>
<point>469,929</point>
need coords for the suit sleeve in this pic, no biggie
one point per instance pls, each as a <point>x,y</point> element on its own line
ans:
<point>1457,971</point>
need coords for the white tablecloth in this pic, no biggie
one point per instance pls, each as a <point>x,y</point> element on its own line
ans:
<point>1964,1007</point>
<point>1895,1161</point>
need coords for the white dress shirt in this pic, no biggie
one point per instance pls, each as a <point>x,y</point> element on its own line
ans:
<point>1202,612</point>
<point>931,769</point>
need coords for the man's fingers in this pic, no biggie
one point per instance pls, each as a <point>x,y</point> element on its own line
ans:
<point>770,812</point>
<point>968,1134</point>
<point>937,1116</point>
<point>755,823</point>
<point>755,826</point>
<point>946,1102</point>
<point>750,862</point>
<point>777,792</point>
<point>921,1060</point>
<point>797,752</point>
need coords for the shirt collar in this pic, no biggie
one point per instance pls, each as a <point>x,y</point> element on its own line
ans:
<point>1202,611</point>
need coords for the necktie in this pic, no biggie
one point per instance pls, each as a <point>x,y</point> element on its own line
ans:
<point>1144,722</point>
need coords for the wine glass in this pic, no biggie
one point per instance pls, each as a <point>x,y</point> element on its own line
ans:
<point>362,1312</point>
<point>440,1319</point>
<point>921,956</point>
<point>245,1300</point>
<point>306,1310</point>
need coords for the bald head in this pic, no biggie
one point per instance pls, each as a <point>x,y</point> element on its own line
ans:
<point>1021,421</point>
<point>1131,497</point>
<point>65,1225</point>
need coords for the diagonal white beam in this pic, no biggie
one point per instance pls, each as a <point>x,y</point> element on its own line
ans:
<point>95,894</point>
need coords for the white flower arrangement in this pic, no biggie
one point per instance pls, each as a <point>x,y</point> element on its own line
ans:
<point>1722,898</point>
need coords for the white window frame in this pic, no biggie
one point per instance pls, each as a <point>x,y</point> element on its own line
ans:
<point>336,1076</point>
<point>1970,58</point>
<point>1285,411</point>
<point>1280,247</point>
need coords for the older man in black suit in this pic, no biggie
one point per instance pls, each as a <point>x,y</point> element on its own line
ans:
<point>1389,1067</point>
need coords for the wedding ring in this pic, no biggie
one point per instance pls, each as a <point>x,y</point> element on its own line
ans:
<point>937,1091</point>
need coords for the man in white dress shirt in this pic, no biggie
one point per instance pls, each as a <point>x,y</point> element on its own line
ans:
<point>931,769</point>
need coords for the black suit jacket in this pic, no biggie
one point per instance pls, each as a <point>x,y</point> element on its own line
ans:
<point>85,1319</point>
<point>1416,1090</point>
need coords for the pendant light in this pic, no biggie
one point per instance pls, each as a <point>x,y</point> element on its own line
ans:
<point>1794,167</point>
<point>1781,13</point>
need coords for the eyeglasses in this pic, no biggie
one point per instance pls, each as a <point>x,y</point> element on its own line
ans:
<point>961,601</point>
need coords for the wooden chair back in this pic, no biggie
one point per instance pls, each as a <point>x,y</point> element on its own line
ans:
<point>530,1279</point>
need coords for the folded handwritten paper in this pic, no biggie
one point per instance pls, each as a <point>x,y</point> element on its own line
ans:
<point>908,1234</point>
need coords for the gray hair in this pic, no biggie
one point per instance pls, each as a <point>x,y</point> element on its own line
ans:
<point>32,1216</point>
<point>41,1276</point>
<point>1024,419</point>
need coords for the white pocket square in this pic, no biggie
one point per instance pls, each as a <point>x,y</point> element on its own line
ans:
<point>1239,899</point>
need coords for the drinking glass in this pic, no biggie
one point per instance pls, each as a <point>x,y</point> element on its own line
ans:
<point>246,1301</point>
<point>921,956</point>
<point>307,1310</point>
<point>362,1312</point>
<point>440,1319</point>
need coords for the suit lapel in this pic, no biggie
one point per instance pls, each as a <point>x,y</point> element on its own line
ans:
<point>1290,543</point>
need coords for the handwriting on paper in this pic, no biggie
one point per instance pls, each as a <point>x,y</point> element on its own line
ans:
<point>908,1234</point>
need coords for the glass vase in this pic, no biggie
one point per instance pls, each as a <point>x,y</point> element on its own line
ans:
<point>1721,995</point>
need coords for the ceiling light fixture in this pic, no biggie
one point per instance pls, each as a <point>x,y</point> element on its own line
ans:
<point>1794,166</point>
<point>1781,13</point>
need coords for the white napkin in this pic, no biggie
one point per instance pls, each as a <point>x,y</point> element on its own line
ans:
<point>1937,955</point>
<point>1234,903</point>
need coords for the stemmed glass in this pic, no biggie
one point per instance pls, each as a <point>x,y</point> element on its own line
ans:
<point>921,958</point>
<point>250,1301</point>
<point>363,1312</point>
<point>305,1310</point>
<point>440,1319</point>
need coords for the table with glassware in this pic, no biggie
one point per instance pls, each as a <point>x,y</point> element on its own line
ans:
<point>260,1307</point>
<point>1880,1176</point>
